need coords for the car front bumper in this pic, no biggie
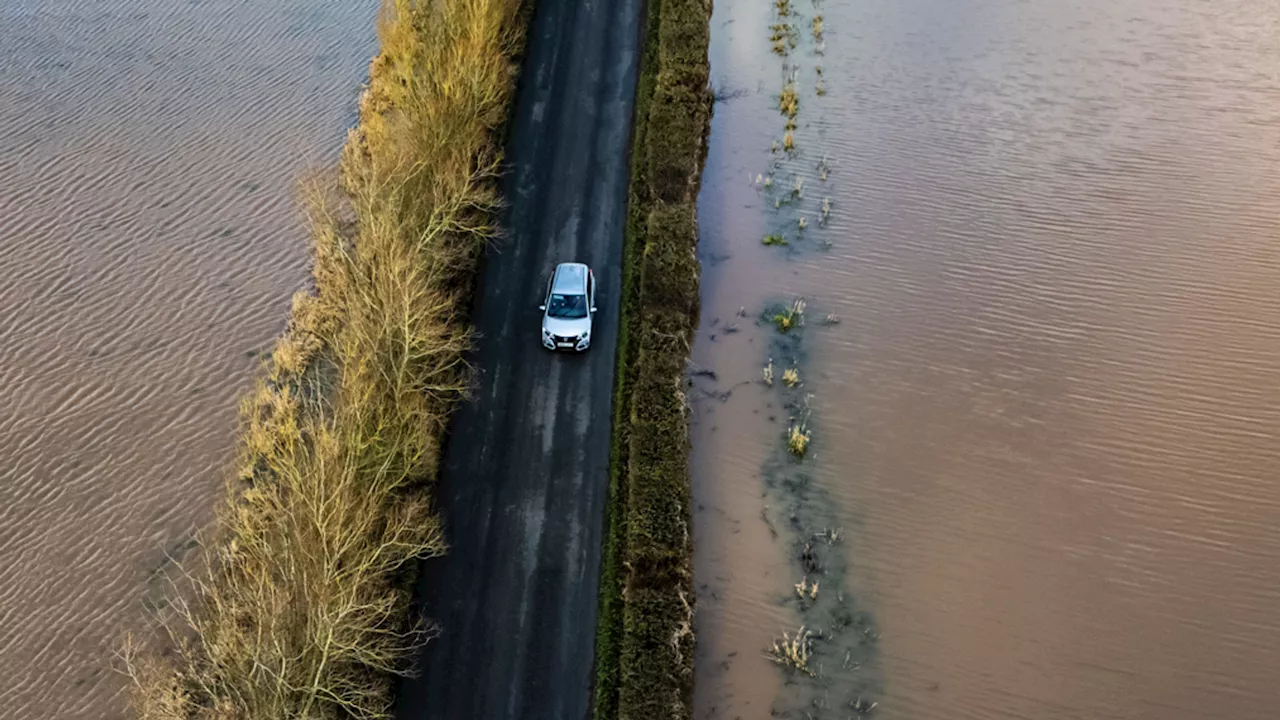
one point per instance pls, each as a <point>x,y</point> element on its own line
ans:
<point>563,344</point>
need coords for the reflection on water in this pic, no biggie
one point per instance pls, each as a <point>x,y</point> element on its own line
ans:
<point>148,244</point>
<point>1050,412</point>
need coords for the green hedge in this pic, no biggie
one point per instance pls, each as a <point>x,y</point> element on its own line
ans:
<point>644,645</point>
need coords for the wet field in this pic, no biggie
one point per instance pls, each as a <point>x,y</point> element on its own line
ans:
<point>1044,411</point>
<point>149,243</point>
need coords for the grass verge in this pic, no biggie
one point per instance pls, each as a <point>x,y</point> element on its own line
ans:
<point>300,605</point>
<point>644,641</point>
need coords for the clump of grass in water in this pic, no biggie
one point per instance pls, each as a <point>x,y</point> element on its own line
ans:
<point>792,652</point>
<point>789,100</point>
<point>783,7</point>
<point>797,188</point>
<point>803,222</point>
<point>790,316</point>
<point>826,211</point>
<point>806,590</point>
<point>773,239</point>
<point>791,376</point>
<point>798,439</point>
<point>789,141</point>
<point>817,28</point>
<point>768,373</point>
<point>783,38</point>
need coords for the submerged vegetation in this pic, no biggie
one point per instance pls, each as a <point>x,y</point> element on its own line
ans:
<point>792,652</point>
<point>300,606</point>
<point>644,645</point>
<point>830,656</point>
<point>789,316</point>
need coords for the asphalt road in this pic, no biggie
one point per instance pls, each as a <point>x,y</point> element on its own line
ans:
<point>526,469</point>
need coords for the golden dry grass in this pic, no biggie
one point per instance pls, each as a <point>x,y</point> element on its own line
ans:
<point>789,100</point>
<point>299,607</point>
<point>798,439</point>
<point>792,652</point>
<point>791,376</point>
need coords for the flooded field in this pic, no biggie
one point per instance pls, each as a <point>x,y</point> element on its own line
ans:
<point>149,243</point>
<point>1044,410</point>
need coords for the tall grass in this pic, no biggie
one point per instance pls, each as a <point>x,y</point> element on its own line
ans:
<point>299,607</point>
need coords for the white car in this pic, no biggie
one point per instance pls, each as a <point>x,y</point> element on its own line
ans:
<point>569,307</point>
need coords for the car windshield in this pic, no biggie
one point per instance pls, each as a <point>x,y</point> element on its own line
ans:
<point>567,306</point>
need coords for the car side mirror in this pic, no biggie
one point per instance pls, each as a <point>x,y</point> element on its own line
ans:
<point>543,308</point>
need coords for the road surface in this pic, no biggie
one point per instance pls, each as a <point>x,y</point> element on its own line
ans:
<point>526,470</point>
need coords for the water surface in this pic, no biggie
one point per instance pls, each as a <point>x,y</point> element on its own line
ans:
<point>1049,414</point>
<point>149,243</point>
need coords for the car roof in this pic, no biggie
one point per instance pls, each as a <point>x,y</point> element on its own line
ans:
<point>570,278</point>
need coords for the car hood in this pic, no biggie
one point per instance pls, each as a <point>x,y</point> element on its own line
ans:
<point>566,327</point>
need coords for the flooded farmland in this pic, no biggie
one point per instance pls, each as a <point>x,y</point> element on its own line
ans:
<point>149,243</point>
<point>1037,361</point>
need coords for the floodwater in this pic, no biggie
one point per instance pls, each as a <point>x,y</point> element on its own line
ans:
<point>1047,418</point>
<point>149,243</point>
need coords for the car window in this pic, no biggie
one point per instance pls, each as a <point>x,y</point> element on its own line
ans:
<point>567,306</point>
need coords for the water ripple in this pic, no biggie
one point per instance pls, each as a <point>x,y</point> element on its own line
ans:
<point>148,242</point>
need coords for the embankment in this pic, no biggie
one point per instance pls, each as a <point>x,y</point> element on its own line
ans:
<point>300,606</point>
<point>644,646</point>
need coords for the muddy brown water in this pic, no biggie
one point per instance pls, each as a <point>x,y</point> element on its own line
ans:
<point>149,242</point>
<point>1048,417</point>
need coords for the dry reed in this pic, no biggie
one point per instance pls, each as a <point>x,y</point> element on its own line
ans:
<point>300,607</point>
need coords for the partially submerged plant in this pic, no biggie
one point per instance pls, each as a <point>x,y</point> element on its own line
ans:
<point>826,209</point>
<point>798,439</point>
<point>797,190</point>
<point>791,376</point>
<point>793,652</point>
<point>783,37</point>
<point>820,88</point>
<point>783,7</point>
<point>863,706</point>
<point>773,239</point>
<point>788,141</point>
<point>789,100</point>
<point>789,316</point>
<point>806,590</point>
<point>817,28</point>
<point>768,373</point>
<point>803,222</point>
